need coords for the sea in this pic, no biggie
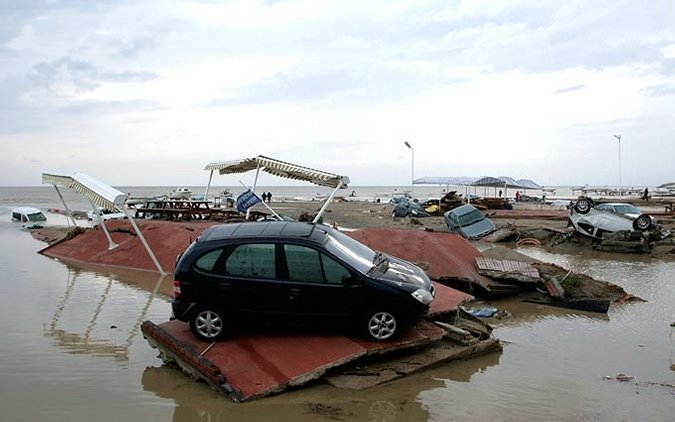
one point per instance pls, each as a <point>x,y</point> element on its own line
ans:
<point>71,347</point>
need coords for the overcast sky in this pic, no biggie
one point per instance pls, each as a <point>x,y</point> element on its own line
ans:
<point>148,92</point>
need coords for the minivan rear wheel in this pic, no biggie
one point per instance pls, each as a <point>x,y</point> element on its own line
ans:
<point>380,325</point>
<point>208,324</point>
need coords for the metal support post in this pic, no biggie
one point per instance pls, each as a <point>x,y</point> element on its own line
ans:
<point>143,241</point>
<point>328,201</point>
<point>63,201</point>
<point>255,184</point>
<point>97,213</point>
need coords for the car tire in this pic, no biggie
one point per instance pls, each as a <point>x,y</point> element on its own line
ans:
<point>583,205</point>
<point>642,222</point>
<point>208,324</point>
<point>380,325</point>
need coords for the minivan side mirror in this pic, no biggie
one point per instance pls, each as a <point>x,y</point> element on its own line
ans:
<point>348,280</point>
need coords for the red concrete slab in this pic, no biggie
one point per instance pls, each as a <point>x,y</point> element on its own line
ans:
<point>167,239</point>
<point>251,366</point>
<point>450,256</point>
<point>447,300</point>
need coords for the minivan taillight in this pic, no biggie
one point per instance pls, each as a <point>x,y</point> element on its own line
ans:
<point>176,288</point>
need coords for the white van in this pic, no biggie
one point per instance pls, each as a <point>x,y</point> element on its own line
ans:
<point>29,217</point>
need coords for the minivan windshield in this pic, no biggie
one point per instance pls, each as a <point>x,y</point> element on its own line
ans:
<point>471,218</point>
<point>355,253</point>
<point>37,217</point>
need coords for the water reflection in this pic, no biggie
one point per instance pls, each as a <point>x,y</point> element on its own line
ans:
<point>85,342</point>
<point>390,402</point>
<point>196,402</point>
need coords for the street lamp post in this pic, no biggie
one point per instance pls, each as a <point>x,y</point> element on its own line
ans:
<point>618,137</point>
<point>412,177</point>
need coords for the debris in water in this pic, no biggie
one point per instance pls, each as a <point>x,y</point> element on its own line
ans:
<point>482,312</point>
<point>623,377</point>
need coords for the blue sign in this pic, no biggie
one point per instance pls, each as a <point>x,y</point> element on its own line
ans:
<point>246,200</point>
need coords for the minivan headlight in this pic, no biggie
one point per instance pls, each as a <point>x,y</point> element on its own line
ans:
<point>423,296</point>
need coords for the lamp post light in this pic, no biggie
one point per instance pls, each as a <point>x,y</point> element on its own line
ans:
<point>618,138</point>
<point>412,178</point>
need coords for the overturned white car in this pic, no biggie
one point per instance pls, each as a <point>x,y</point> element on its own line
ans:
<point>593,221</point>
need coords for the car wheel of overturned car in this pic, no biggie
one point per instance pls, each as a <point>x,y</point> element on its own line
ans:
<point>642,223</point>
<point>208,324</point>
<point>583,206</point>
<point>380,325</point>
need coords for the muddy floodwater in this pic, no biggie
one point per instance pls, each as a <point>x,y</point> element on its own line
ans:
<point>71,349</point>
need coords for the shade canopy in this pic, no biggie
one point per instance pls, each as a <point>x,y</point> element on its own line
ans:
<point>96,191</point>
<point>529,184</point>
<point>488,181</point>
<point>450,181</point>
<point>281,169</point>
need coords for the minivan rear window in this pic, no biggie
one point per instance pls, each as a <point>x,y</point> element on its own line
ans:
<point>208,261</point>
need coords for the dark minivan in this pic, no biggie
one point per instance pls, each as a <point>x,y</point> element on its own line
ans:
<point>298,273</point>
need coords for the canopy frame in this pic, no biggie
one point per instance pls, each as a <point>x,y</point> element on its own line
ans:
<point>281,169</point>
<point>101,195</point>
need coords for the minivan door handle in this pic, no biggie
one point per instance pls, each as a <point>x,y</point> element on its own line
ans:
<point>224,286</point>
<point>294,293</point>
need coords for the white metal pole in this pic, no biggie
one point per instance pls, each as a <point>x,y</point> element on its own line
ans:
<point>63,201</point>
<point>412,167</point>
<point>255,184</point>
<point>330,198</point>
<point>620,182</point>
<point>143,241</point>
<point>412,178</point>
<point>208,185</point>
<point>97,213</point>
<point>618,138</point>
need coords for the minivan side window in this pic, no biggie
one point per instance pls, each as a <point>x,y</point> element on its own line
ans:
<point>307,264</point>
<point>334,271</point>
<point>252,260</point>
<point>303,263</point>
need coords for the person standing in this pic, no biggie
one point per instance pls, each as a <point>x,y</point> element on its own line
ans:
<point>264,196</point>
<point>269,197</point>
<point>645,195</point>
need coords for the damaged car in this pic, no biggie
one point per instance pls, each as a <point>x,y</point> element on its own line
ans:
<point>408,208</point>
<point>595,220</point>
<point>469,221</point>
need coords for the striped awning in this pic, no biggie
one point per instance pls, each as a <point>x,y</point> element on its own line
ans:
<point>281,169</point>
<point>96,191</point>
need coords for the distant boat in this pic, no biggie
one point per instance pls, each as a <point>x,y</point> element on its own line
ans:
<point>180,193</point>
<point>29,217</point>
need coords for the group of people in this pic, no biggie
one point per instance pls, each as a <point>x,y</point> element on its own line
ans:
<point>267,197</point>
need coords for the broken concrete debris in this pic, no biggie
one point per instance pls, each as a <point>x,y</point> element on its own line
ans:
<point>508,271</point>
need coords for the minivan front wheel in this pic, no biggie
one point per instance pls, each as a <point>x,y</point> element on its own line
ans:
<point>380,325</point>
<point>208,324</point>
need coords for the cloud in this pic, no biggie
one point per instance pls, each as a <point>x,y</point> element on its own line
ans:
<point>82,74</point>
<point>569,89</point>
<point>660,90</point>
<point>111,107</point>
